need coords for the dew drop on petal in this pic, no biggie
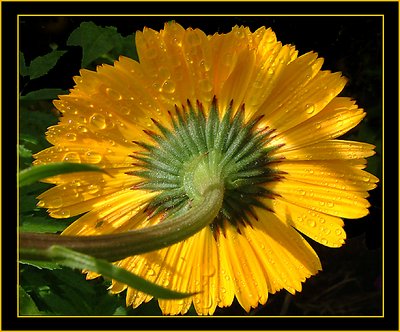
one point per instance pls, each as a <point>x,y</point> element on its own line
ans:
<point>93,189</point>
<point>125,110</point>
<point>338,231</point>
<point>55,202</point>
<point>98,121</point>
<point>82,129</point>
<point>310,108</point>
<point>168,87</point>
<point>113,94</point>
<point>366,178</point>
<point>93,157</point>
<point>311,223</point>
<point>205,85</point>
<point>62,214</point>
<point>70,137</point>
<point>204,65</point>
<point>72,157</point>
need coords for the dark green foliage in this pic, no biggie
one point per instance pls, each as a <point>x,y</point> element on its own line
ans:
<point>64,292</point>
<point>101,43</point>
<point>41,65</point>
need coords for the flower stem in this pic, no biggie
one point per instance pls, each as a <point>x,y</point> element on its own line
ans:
<point>114,247</point>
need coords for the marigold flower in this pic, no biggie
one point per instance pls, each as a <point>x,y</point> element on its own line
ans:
<point>241,106</point>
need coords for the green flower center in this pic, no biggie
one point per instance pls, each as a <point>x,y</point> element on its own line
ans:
<point>200,150</point>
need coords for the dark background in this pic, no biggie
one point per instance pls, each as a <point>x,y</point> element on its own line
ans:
<point>351,283</point>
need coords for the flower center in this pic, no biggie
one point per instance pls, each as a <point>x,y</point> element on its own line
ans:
<point>200,150</point>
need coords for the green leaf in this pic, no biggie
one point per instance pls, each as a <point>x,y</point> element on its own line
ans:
<point>94,40</point>
<point>23,69</point>
<point>43,94</point>
<point>35,173</point>
<point>42,64</point>
<point>28,200</point>
<point>24,152</point>
<point>125,46</point>
<point>41,264</point>
<point>26,305</point>
<point>28,139</point>
<point>76,260</point>
<point>42,225</point>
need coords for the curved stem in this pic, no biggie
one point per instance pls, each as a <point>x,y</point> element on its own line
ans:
<point>114,247</point>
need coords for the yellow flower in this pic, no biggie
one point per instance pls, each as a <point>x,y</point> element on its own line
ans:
<point>265,118</point>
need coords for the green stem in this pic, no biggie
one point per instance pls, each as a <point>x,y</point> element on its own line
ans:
<point>76,260</point>
<point>114,247</point>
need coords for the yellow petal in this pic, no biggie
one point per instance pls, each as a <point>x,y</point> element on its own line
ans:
<point>118,212</point>
<point>336,202</point>
<point>323,228</point>
<point>299,103</point>
<point>338,117</point>
<point>286,257</point>
<point>333,174</point>
<point>326,150</point>
<point>244,268</point>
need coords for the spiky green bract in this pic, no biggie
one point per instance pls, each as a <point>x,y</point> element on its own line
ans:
<point>199,147</point>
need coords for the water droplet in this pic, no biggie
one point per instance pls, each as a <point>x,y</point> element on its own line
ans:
<point>70,137</point>
<point>204,65</point>
<point>310,108</point>
<point>271,71</point>
<point>311,222</point>
<point>325,230</point>
<point>302,192</point>
<point>98,121</point>
<point>113,94</point>
<point>125,110</point>
<point>72,157</point>
<point>168,87</point>
<point>205,85</point>
<point>93,189</point>
<point>330,204</point>
<point>64,213</point>
<point>338,231</point>
<point>366,178</point>
<point>55,202</point>
<point>318,125</point>
<point>324,241</point>
<point>76,183</point>
<point>82,129</point>
<point>93,157</point>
